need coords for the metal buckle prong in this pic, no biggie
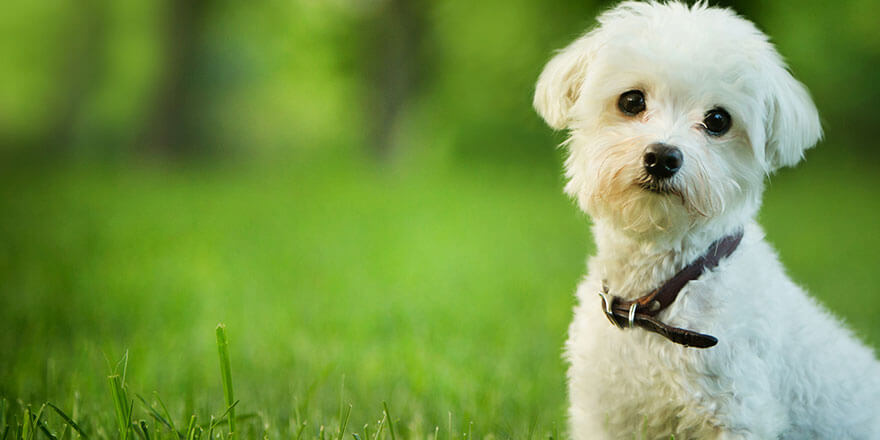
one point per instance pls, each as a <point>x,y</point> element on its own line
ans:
<point>607,304</point>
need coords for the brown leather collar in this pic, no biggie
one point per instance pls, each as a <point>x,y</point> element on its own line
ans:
<point>643,311</point>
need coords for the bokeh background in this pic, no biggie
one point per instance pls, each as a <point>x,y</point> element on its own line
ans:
<point>360,190</point>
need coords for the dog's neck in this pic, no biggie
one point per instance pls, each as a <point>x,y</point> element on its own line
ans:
<point>633,265</point>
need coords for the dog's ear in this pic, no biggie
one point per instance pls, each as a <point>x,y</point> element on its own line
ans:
<point>559,85</point>
<point>792,123</point>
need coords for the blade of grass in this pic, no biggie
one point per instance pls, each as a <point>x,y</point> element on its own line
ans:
<point>343,423</point>
<point>39,423</point>
<point>449,431</point>
<point>26,425</point>
<point>225,421</point>
<point>191,428</point>
<point>124,366</point>
<point>138,432</point>
<point>119,404</point>
<point>168,417</point>
<point>381,425</point>
<point>156,415</point>
<point>69,421</point>
<point>390,421</point>
<point>130,411</point>
<point>215,422</point>
<point>226,373</point>
<point>144,428</point>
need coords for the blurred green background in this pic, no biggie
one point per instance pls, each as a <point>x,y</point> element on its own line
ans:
<point>360,190</point>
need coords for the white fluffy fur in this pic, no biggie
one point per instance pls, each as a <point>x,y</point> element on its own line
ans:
<point>783,368</point>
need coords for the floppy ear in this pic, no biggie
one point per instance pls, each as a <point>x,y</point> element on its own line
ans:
<point>559,85</point>
<point>793,123</point>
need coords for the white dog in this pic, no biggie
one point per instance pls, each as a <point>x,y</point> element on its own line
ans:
<point>687,324</point>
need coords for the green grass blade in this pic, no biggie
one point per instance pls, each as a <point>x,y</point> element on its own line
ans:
<point>299,432</point>
<point>26,425</point>
<point>138,432</point>
<point>343,423</point>
<point>226,373</point>
<point>156,415</point>
<point>36,423</point>
<point>218,420</point>
<point>124,366</point>
<point>381,425</point>
<point>128,419</point>
<point>168,417</point>
<point>68,420</point>
<point>123,412</point>
<point>38,417</point>
<point>191,428</point>
<point>390,422</point>
<point>145,429</point>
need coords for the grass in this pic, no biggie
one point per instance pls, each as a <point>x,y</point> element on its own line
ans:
<point>348,292</point>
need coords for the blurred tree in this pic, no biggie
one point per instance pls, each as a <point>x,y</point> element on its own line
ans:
<point>394,55</point>
<point>79,75</point>
<point>171,129</point>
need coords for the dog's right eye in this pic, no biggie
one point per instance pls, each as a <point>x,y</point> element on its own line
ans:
<point>632,102</point>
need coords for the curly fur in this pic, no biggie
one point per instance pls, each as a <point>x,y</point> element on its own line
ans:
<point>784,368</point>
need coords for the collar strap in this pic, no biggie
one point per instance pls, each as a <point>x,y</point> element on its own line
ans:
<point>642,311</point>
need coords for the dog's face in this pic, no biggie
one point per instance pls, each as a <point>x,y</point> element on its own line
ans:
<point>675,116</point>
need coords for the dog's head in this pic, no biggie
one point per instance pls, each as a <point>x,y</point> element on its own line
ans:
<point>675,116</point>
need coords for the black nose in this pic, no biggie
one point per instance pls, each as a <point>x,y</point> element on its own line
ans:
<point>662,161</point>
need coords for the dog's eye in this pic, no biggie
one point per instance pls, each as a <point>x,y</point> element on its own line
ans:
<point>632,102</point>
<point>717,121</point>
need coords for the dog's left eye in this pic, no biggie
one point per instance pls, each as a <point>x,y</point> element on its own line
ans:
<point>632,102</point>
<point>717,121</point>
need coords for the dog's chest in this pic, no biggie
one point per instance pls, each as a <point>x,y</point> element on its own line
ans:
<point>641,382</point>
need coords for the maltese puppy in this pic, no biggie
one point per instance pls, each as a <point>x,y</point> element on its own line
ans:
<point>686,324</point>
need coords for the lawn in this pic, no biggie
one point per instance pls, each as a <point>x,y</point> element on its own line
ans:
<point>443,292</point>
